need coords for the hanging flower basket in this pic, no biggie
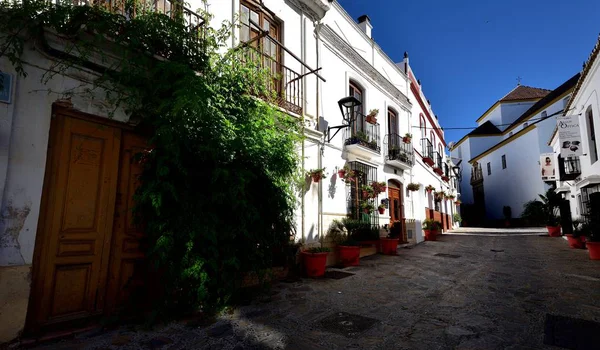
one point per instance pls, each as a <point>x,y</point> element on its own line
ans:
<point>413,187</point>
<point>367,207</point>
<point>429,188</point>
<point>378,188</point>
<point>381,209</point>
<point>317,174</point>
<point>407,138</point>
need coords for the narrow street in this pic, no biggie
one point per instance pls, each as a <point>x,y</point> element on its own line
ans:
<point>461,292</point>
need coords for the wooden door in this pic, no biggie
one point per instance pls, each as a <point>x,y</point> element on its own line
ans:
<point>74,231</point>
<point>127,264</point>
<point>397,209</point>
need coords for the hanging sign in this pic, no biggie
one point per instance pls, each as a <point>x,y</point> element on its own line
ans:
<point>569,136</point>
<point>547,166</point>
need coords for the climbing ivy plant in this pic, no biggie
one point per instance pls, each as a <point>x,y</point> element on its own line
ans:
<point>215,198</point>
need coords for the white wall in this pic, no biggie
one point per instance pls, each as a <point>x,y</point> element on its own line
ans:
<point>512,111</point>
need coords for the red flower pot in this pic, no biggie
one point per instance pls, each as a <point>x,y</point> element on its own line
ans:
<point>341,173</point>
<point>430,235</point>
<point>593,249</point>
<point>381,210</point>
<point>575,242</point>
<point>366,211</point>
<point>365,194</point>
<point>314,263</point>
<point>405,140</point>
<point>553,231</point>
<point>349,255</point>
<point>316,178</point>
<point>389,246</point>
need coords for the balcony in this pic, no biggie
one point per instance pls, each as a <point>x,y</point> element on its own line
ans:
<point>284,83</point>
<point>437,165</point>
<point>400,154</point>
<point>362,138</point>
<point>446,174</point>
<point>569,168</point>
<point>131,9</point>
<point>476,174</point>
<point>427,151</point>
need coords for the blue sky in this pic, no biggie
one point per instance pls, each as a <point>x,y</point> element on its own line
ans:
<point>468,54</point>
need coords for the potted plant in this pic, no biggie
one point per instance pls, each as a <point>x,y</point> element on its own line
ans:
<point>577,238</point>
<point>456,218</point>
<point>438,227</point>
<point>314,260</point>
<point>348,248</point>
<point>407,138</point>
<point>429,228</point>
<point>378,187</point>
<point>438,196</point>
<point>429,188</point>
<point>551,201</point>
<point>381,208</point>
<point>457,202</point>
<point>389,245</point>
<point>372,116</point>
<point>367,207</point>
<point>342,172</point>
<point>367,192</point>
<point>317,174</point>
<point>413,187</point>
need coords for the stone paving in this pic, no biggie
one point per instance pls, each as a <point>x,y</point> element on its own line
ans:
<point>481,292</point>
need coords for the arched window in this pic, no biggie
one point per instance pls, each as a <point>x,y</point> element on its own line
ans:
<point>423,126</point>
<point>357,115</point>
<point>440,150</point>
<point>432,137</point>
<point>392,122</point>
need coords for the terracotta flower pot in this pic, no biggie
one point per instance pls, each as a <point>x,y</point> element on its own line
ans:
<point>316,177</point>
<point>430,235</point>
<point>381,210</point>
<point>314,263</point>
<point>341,174</point>
<point>406,140</point>
<point>553,231</point>
<point>594,250</point>
<point>349,255</point>
<point>389,246</point>
<point>574,242</point>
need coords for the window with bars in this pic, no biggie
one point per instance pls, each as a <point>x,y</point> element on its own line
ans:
<point>584,199</point>
<point>357,198</point>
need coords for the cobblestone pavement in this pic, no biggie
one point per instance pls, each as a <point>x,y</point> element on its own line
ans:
<point>483,292</point>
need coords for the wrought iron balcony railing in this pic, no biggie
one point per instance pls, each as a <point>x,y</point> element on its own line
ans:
<point>569,168</point>
<point>284,83</point>
<point>476,173</point>
<point>446,174</point>
<point>360,132</point>
<point>437,158</point>
<point>400,150</point>
<point>427,151</point>
<point>130,9</point>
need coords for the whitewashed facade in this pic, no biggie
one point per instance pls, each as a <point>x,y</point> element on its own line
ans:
<point>500,158</point>
<point>581,175</point>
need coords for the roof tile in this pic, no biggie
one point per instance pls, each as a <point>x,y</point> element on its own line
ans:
<point>522,92</point>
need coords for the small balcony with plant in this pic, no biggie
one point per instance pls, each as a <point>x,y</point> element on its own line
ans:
<point>437,163</point>
<point>400,153</point>
<point>446,174</point>
<point>427,151</point>
<point>362,136</point>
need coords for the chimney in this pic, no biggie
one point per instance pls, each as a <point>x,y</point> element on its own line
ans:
<point>364,23</point>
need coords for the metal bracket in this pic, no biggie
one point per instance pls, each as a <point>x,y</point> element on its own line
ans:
<point>337,128</point>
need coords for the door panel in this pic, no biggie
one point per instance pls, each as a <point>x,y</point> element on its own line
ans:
<point>127,264</point>
<point>77,219</point>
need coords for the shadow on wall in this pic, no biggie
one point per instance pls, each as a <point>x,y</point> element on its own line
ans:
<point>332,186</point>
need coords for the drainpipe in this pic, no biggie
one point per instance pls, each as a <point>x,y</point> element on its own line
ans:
<point>303,70</point>
<point>322,146</point>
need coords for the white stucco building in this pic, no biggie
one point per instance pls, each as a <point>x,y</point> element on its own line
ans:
<point>500,158</point>
<point>579,177</point>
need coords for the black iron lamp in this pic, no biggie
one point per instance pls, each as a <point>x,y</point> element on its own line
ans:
<point>457,172</point>
<point>347,104</point>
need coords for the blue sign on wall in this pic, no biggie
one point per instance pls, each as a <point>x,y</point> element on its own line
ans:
<point>6,87</point>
